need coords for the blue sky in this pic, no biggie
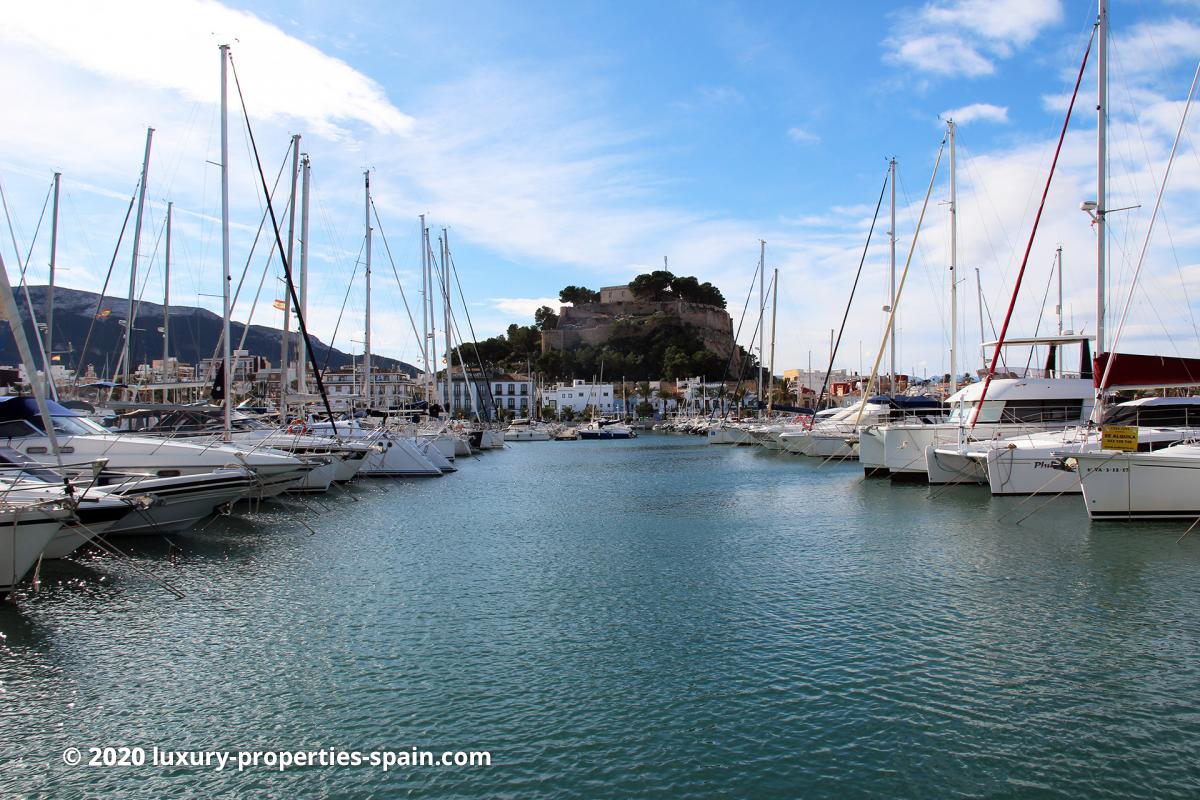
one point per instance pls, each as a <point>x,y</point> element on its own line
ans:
<point>579,143</point>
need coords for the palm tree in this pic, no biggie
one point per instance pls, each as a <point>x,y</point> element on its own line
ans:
<point>783,392</point>
<point>738,395</point>
<point>664,394</point>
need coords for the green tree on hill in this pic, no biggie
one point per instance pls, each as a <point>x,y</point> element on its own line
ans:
<point>545,319</point>
<point>653,286</point>
<point>575,295</point>
<point>660,285</point>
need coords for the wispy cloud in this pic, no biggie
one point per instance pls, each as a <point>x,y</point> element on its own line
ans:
<point>977,112</point>
<point>802,135</point>
<point>522,307</point>
<point>967,37</point>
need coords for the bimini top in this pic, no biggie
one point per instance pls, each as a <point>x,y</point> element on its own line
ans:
<point>26,408</point>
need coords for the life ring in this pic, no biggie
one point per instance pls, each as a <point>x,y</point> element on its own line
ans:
<point>297,428</point>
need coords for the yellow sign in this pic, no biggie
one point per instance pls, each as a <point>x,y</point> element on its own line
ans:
<point>1119,437</point>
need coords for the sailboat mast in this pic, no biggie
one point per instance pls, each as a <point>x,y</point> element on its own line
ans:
<point>435,394</point>
<point>449,338</point>
<point>950,131</point>
<point>1058,308</point>
<point>892,273</point>
<point>302,364</point>
<point>774,309</point>
<point>226,348</point>
<point>425,311</point>
<point>979,300</point>
<point>49,347</point>
<point>1101,166</point>
<point>167,298</point>
<point>762,304</point>
<point>137,238</point>
<point>367,334</point>
<point>287,295</point>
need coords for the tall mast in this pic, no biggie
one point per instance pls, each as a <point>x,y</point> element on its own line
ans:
<point>287,295</point>
<point>49,346</point>
<point>425,311</point>
<point>302,363</point>
<point>950,129</point>
<point>1101,166</point>
<point>892,274</point>
<point>226,348</point>
<point>448,331</point>
<point>167,299</point>
<point>433,384</point>
<point>137,238</point>
<point>1058,308</point>
<point>979,300</point>
<point>367,334</point>
<point>774,309</point>
<point>762,305</point>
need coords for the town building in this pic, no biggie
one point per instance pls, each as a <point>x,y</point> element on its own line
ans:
<point>245,367</point>
<point>578,395</point>
<point>489,394</point>
<point>390,389</point>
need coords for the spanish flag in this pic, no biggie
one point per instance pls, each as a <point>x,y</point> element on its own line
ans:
<point>280,305</point>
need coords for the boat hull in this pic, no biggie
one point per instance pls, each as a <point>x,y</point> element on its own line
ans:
<point>1120,485</point>
<point>24,534</point>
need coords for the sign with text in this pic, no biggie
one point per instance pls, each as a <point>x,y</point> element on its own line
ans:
<point>1119,437</point>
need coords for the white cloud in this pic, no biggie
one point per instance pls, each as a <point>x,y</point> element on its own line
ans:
<point>173,46</point>
<point>977,112</point>
<point>523,307</point>
<point>803,135</point>
<point>967,37</point>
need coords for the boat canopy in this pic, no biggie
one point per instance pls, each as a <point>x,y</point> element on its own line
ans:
<point>1134,371</point>
<point>16,408</point>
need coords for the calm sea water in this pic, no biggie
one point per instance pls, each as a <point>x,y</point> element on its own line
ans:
<point>656,618</point>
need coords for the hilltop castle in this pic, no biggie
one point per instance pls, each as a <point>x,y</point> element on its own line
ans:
<point>620,314</point>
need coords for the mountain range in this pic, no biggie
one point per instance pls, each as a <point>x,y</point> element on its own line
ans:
<point>81,317</point>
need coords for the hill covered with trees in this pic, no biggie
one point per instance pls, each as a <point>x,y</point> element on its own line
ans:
<point>675,327</point>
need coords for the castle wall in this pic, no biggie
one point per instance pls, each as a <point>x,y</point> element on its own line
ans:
<point>592,323</point>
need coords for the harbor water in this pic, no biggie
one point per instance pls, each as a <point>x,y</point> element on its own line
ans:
<point>645,618</point>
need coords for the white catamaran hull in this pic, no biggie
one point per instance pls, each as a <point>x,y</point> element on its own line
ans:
<point>1159,485</point>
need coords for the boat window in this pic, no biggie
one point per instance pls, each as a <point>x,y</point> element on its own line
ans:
<point>1162,416</point>
<point>17,428</point>
<point>76,426</point>
<point>1055,410</point>
<point>990,412</point>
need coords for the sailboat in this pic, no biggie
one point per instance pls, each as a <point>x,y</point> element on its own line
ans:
<point>1048,462</point>
<point>998,408</point>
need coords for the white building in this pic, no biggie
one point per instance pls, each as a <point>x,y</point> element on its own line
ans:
<point>579,395</point>
<point>389,390</point>
<point>245,367</point>
<point>58,372</point>
<point>490,394</point>
<point>513,393</point>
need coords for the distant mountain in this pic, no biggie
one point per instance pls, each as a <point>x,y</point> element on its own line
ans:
<point>194,333</point>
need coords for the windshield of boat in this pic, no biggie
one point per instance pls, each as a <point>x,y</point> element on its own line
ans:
<point>1183,415</point>
<point>1018,411</point>
<point>76,426</point>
